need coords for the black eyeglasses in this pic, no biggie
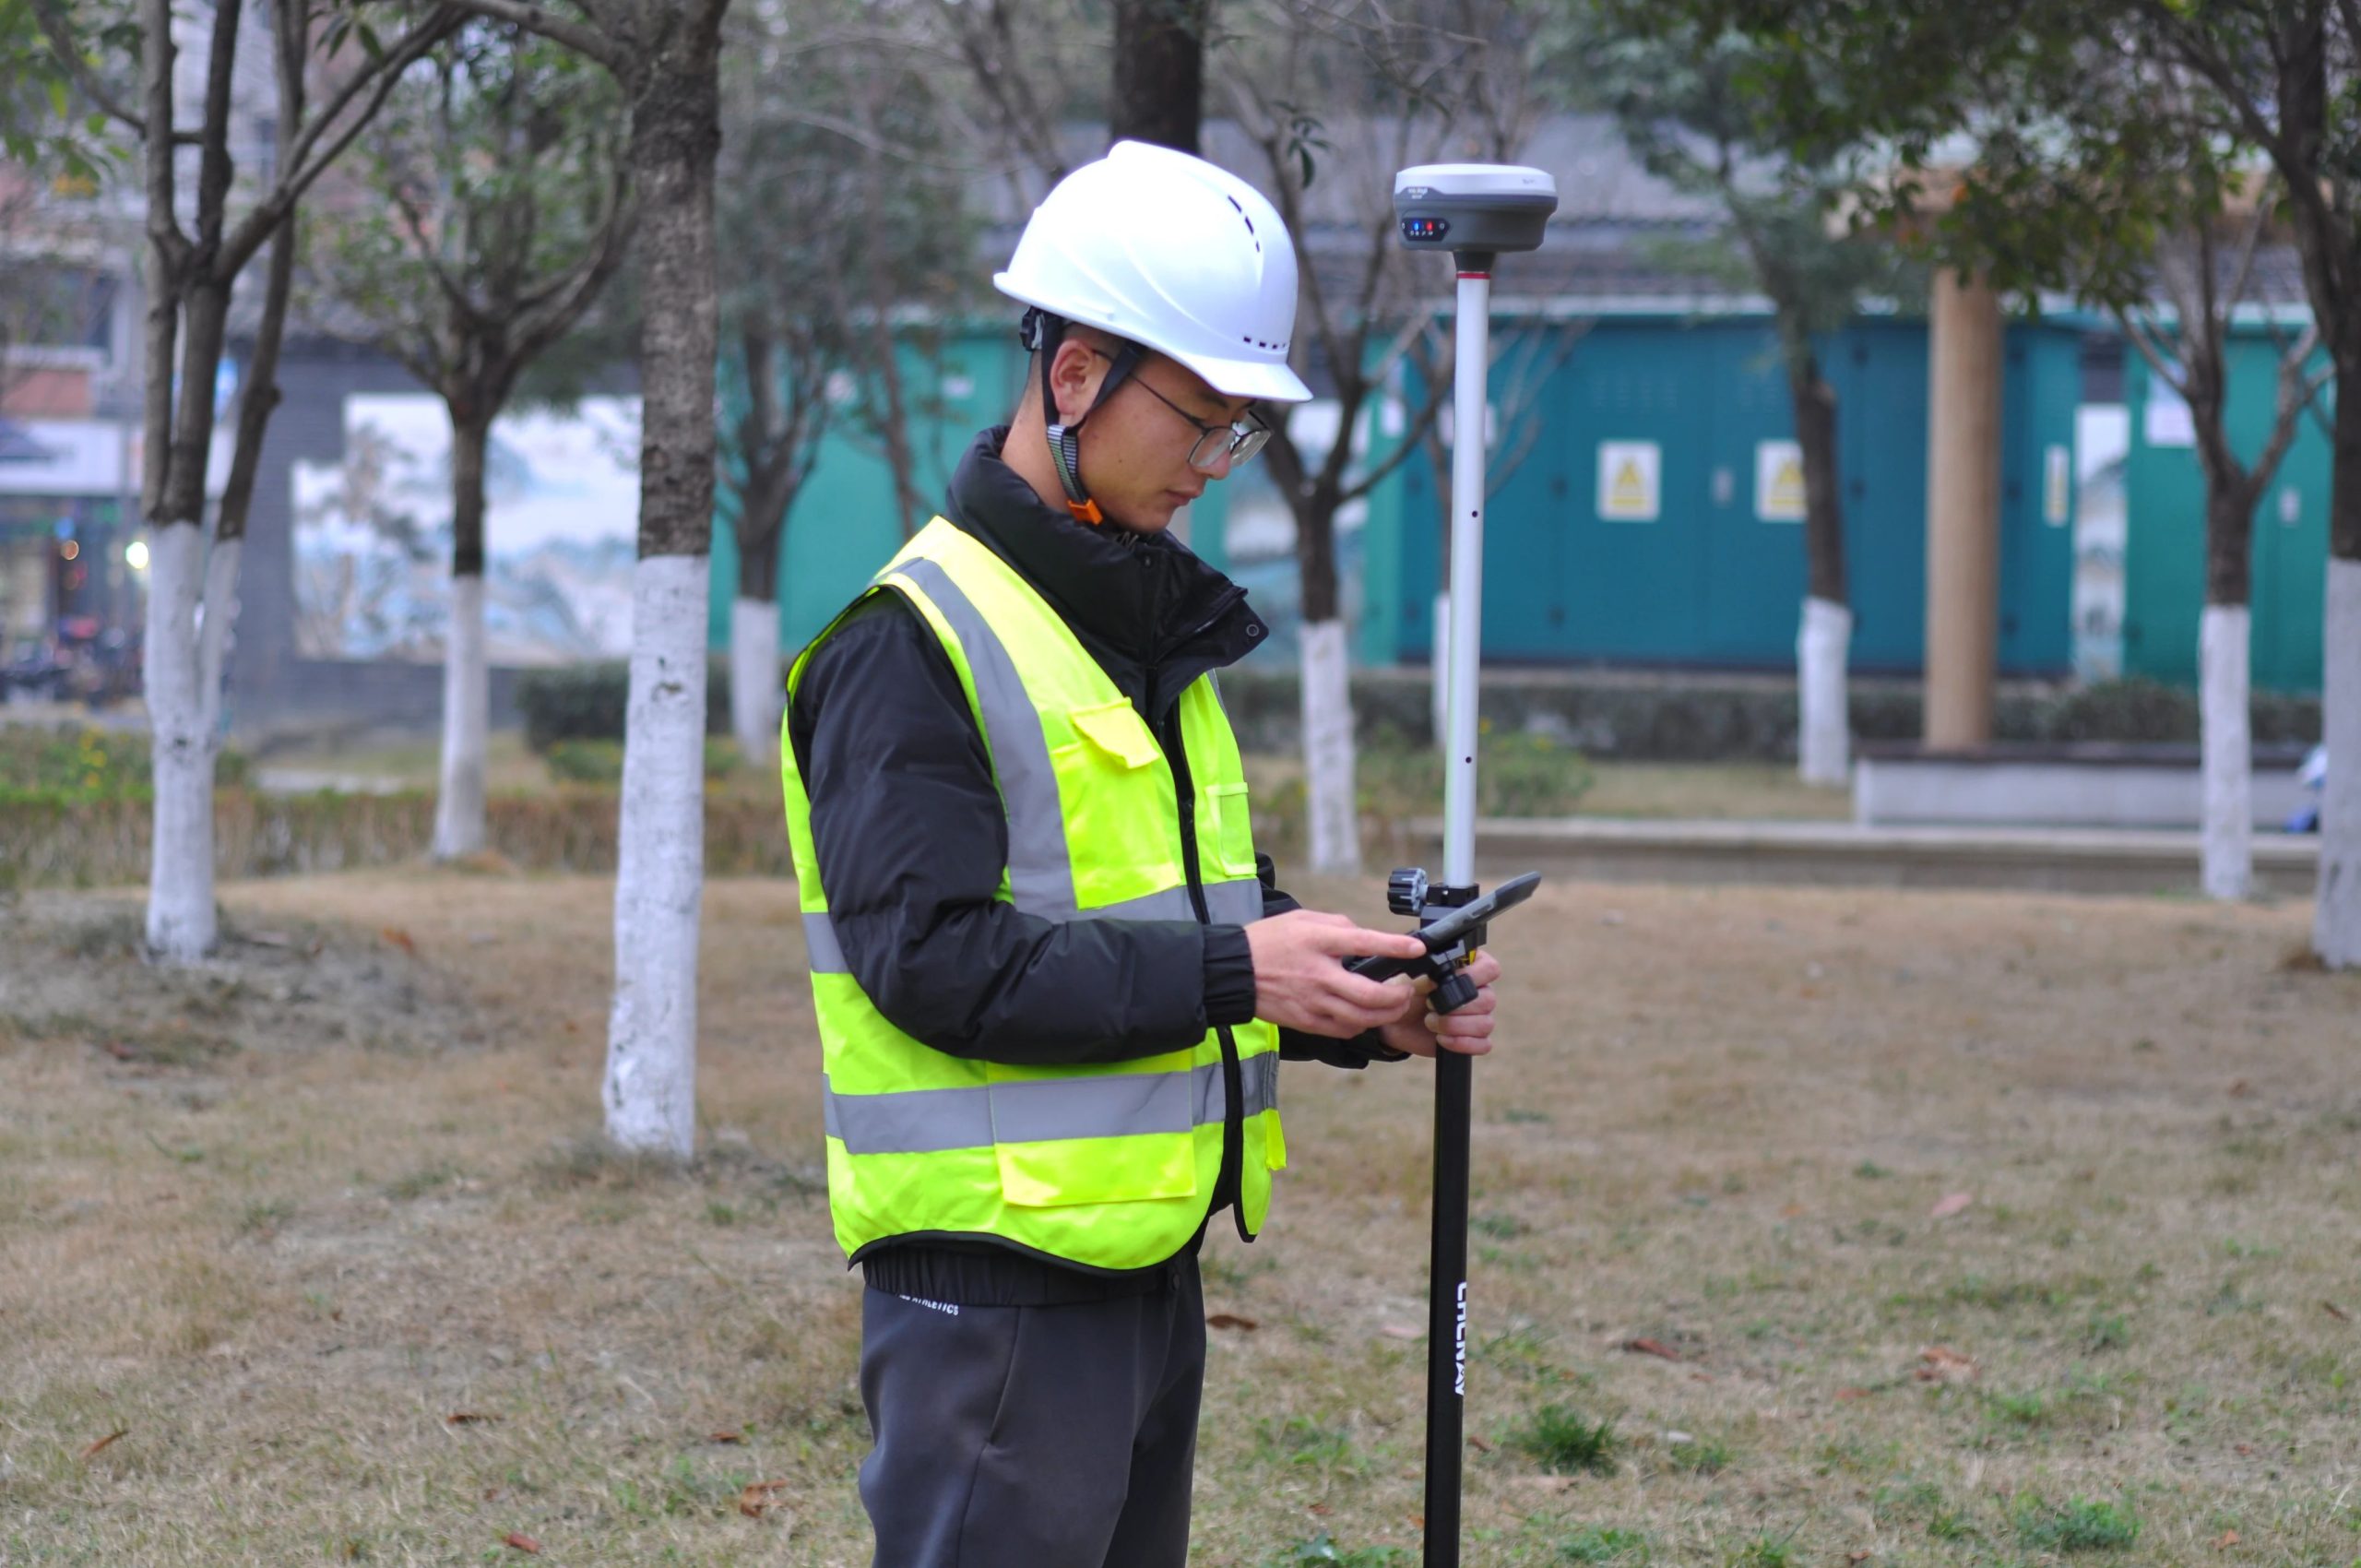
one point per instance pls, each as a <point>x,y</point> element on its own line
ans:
<point>1241,439</point>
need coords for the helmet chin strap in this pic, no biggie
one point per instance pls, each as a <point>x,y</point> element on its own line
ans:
<point>1042,332</point>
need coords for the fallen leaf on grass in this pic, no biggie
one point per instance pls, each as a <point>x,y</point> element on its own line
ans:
<point>1940,1363</point>
<point>1951,1204</point>
<point>400,939</point>
<point>1231,1320</point>
<point>1793,1211</point>
<point>724,1437</point>
<point>1320,1508</point>
<point>1479,1444</point>
<point>2225,1541</point>
<point>517,1540</point>
<point>1400,1331</point>
<point>467,1419</point>
<point>1651,1348</point>
<point>270,939</point>
<point>2241,1089</point>
<point>1856,1557</point>
<point>759,1497</point>
<point>2336,1312</point>
<point>105,1443</point>
<point>1848,1395</point>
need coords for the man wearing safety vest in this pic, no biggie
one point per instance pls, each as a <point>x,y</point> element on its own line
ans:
<point>1053,978</point>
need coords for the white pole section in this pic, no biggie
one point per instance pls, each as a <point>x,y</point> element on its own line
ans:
<point>1469,378</point>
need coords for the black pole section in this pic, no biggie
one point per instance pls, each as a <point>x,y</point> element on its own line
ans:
<point>1447,1310</point>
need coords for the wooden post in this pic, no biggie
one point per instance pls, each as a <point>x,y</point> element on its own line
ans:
<point>1963,511</point>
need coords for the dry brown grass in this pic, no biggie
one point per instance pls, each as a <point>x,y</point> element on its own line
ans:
<point>279,1223</point>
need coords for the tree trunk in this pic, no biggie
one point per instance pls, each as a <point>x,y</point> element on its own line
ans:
<point>1332,809</point>
<point>467,677</point>
<point>756,696</point>
<point>650,1089</point>
<point>2224,633</point>
<point>1823,642</point>
<point>180,881</point>
<point>2336,920</point>
<point>2228,867</point>
<point>1823,735</point>
<point>181,921</point>
<point>1159,72</point>
<point>892,427</point>
<point>1332,813</point>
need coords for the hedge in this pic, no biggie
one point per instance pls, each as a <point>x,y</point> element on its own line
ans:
<point>1646,718</point>
<point>105,843</point>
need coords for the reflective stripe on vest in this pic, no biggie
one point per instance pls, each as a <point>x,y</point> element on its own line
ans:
<point>1039,1109</point>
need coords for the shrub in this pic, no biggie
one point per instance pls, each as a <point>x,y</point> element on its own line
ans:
<point>69,764</point>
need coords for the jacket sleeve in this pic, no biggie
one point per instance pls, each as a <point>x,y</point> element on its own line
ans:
<point>1296,1045</point>
<point>912,839</point>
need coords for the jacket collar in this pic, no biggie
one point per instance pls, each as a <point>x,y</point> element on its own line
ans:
<point>1145,599</point>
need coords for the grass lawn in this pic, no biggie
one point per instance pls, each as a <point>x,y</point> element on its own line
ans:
<point>1809,1227</point>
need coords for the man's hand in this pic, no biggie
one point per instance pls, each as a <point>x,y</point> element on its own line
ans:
<point>1468,1031</point>
<point>1300,981</point>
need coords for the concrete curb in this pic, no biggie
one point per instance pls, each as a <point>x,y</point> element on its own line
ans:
<point>1844,855</point>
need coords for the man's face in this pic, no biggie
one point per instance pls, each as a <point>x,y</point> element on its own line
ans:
<point>1135,449</point>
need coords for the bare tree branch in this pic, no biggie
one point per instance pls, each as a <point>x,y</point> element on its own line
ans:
<point>592,44</point>
<point>54,28</point>
<point>300,169</point>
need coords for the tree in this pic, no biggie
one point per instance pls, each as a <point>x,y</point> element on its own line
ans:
<point>2187,348</point>
<point>2286,74</point>
<point>666,58</point>
<point>195,257</point>
<point>1160,77</point>
<point>497,210</point>
<point>1398,94</point>
<point>1676,91</point>
<point>818,313</point>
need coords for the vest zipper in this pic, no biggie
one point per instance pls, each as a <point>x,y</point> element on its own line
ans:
<point>1229,1186</point>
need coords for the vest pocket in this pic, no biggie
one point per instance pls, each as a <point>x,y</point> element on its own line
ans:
<point>1116,730</point>
<point>1233,820</point>
<point>1098,1171</point>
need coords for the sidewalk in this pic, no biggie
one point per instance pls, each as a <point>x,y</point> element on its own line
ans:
<point>1840,854</point>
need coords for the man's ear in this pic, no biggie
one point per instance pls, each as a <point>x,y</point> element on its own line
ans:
<point>1074,374</point>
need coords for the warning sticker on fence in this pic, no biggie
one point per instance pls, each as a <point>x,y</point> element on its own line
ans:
<point>1779,482</point>
<point>1630,480</point>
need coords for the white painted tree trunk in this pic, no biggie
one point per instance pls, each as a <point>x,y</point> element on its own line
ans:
<point>2227,867</point>
<point>467,714</point>
<point>1331,806</point>
<point>1439,672</point>
<point>2336,922</point>
<point>218,621</point>
<point>659,875</point>
<point>756,695</point>
<point>1825,736</point>
<point>180,879</point>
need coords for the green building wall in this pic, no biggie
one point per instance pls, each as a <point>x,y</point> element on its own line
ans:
<point>1708,583</point>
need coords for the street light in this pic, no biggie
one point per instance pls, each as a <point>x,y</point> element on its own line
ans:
<point>135,555</point>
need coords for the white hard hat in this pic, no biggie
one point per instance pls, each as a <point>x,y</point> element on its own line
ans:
<point>1174,254</point>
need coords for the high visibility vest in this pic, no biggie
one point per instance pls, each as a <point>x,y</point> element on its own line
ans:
<point>1110,1165</point>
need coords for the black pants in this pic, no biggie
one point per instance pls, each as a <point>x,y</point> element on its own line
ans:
<point>1032,1437</point>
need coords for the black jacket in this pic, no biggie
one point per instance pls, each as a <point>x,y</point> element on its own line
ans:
<point>912,839</point>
